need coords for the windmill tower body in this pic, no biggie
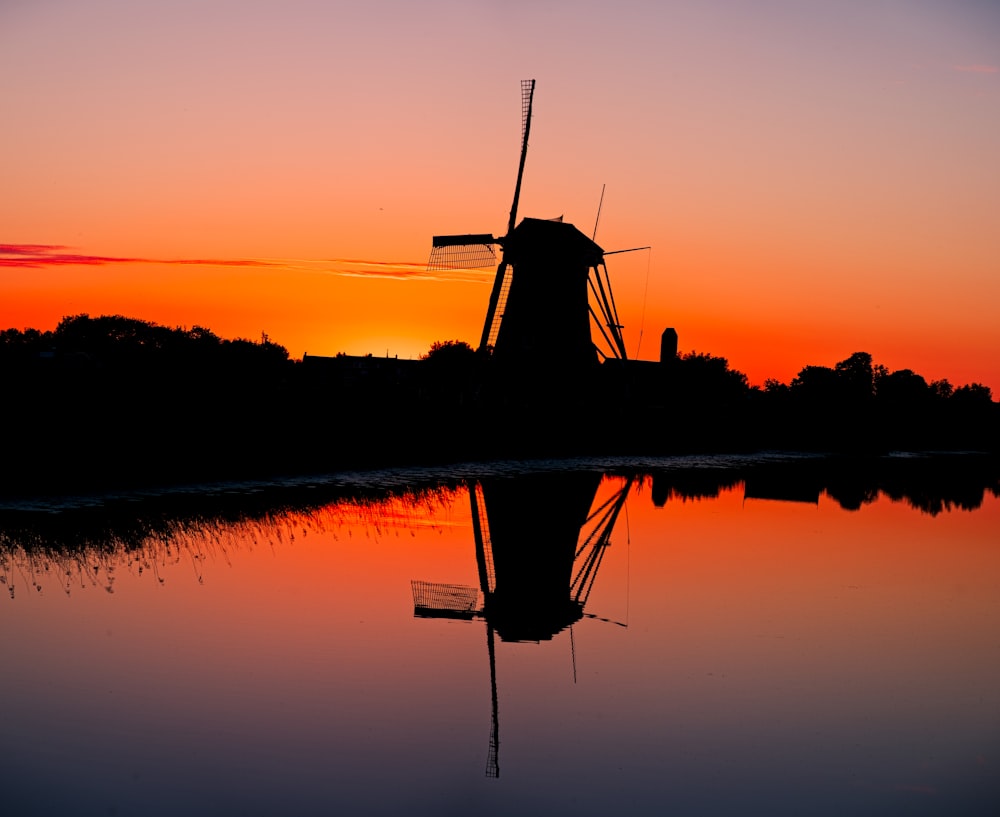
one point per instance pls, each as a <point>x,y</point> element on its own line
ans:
<point>546,317</point>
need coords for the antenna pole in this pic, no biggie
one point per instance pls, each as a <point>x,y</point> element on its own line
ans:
<point>598,219</point>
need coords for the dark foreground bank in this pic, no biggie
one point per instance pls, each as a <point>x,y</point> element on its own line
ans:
<point>111,403</point>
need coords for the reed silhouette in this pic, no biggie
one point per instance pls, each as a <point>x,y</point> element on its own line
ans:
<point>929,483</point>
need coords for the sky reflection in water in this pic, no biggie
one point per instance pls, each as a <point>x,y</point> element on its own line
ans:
<point>732,652</point>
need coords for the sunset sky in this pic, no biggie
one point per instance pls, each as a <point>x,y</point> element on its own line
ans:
<point>815,178</point>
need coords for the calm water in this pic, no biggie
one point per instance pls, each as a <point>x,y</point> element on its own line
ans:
<point>695,643</point>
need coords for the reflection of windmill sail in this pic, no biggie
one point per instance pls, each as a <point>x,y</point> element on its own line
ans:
<point>481,532</point>
<point>487,582</point>
<point>593,547</point>
<point>436,600</point>
<point>538,550</point>
<point>493,756</point>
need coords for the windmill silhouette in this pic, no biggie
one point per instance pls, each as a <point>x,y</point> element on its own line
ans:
<point>540,542</point>
<point>551,284</point>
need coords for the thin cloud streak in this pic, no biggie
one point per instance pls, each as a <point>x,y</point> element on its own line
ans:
<point>42,256</point>
<point>401,271</point>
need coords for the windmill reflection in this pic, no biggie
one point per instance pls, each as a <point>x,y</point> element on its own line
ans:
<point>539,545</point>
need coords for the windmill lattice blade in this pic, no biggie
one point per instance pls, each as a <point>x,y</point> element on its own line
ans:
<point>450,252</point>
<point>527,89</point>
<point>437,600</point>
<point>466,238</point>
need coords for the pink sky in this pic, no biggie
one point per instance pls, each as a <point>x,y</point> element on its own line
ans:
<point>815,178</point>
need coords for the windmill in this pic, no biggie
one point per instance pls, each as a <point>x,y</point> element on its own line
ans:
<point>551,283</point>
<point>536,567</point>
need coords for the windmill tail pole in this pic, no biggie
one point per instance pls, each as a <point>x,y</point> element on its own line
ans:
<point>527,97</point>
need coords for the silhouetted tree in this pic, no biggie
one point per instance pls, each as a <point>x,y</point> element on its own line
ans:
<point>816,383</point>
<point>449,352</point>
<point>974,394</point>
<point>699,402</point>
<point>942,389</point>
<point>701,378</point>
<point>449,373</point>
<point>774,386</point>
<point>903,388</point>
<point>129,344</point>
<point>857,377</point>
<point>21,349</point>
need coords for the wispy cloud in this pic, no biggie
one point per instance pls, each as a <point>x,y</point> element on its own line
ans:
<point>42,256</point>
<point>977,69</point>
<point>400,270</point>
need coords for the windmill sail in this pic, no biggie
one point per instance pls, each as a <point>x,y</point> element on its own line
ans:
<point>501,284</point>
<point>472,251</point>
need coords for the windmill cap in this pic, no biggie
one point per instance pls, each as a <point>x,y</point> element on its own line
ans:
<point>538,238</point>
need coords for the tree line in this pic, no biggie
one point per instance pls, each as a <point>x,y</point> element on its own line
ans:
<point>114,342</point>
<point>112,400</point>
<point>855,405</point>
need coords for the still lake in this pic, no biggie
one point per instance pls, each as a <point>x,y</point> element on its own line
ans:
<point>564,638</point>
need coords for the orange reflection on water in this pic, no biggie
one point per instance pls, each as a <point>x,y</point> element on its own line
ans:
<point>763,571</point>
<point>732,648</point>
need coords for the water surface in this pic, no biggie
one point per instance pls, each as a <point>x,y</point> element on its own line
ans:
<point>533,641</point>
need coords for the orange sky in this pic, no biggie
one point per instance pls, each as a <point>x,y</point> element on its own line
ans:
<point>814,178</point>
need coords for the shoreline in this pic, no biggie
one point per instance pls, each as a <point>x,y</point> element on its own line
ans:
<point>685,470</point>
